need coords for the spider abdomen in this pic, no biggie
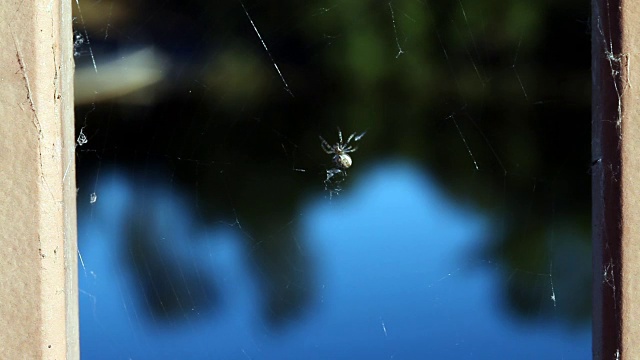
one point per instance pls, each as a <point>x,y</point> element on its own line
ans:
<point>342,161</point>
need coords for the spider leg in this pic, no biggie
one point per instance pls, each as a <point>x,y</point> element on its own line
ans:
<point>350,149</point>
<point>349,139</point>
<point>360,136</point>
<point>340,135</point>
<point>325,146</point>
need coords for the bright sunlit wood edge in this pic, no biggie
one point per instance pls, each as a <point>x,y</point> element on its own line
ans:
<point>39,285</point>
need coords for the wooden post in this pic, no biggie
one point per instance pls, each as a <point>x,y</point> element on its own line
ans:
<point>38,254</point>
<point>616,179</point>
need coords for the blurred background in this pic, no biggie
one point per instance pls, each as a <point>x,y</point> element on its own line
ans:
<point>210,226</point>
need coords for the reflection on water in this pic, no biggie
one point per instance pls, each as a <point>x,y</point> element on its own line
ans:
<point>392,269</point>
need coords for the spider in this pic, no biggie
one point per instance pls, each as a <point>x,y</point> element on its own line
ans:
<point>340,150</point>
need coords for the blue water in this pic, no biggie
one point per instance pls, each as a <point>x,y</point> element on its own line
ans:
<point>396,273</point>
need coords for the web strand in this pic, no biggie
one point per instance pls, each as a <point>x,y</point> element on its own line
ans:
<point>395,31</point>
<point>264,45</point>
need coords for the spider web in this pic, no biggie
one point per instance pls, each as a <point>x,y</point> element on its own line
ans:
<point>213,225</point>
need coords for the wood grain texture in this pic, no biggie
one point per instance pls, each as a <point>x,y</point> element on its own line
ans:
<point>38,289</point>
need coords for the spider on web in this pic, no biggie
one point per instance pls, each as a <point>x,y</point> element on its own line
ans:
<point>340,151</point>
